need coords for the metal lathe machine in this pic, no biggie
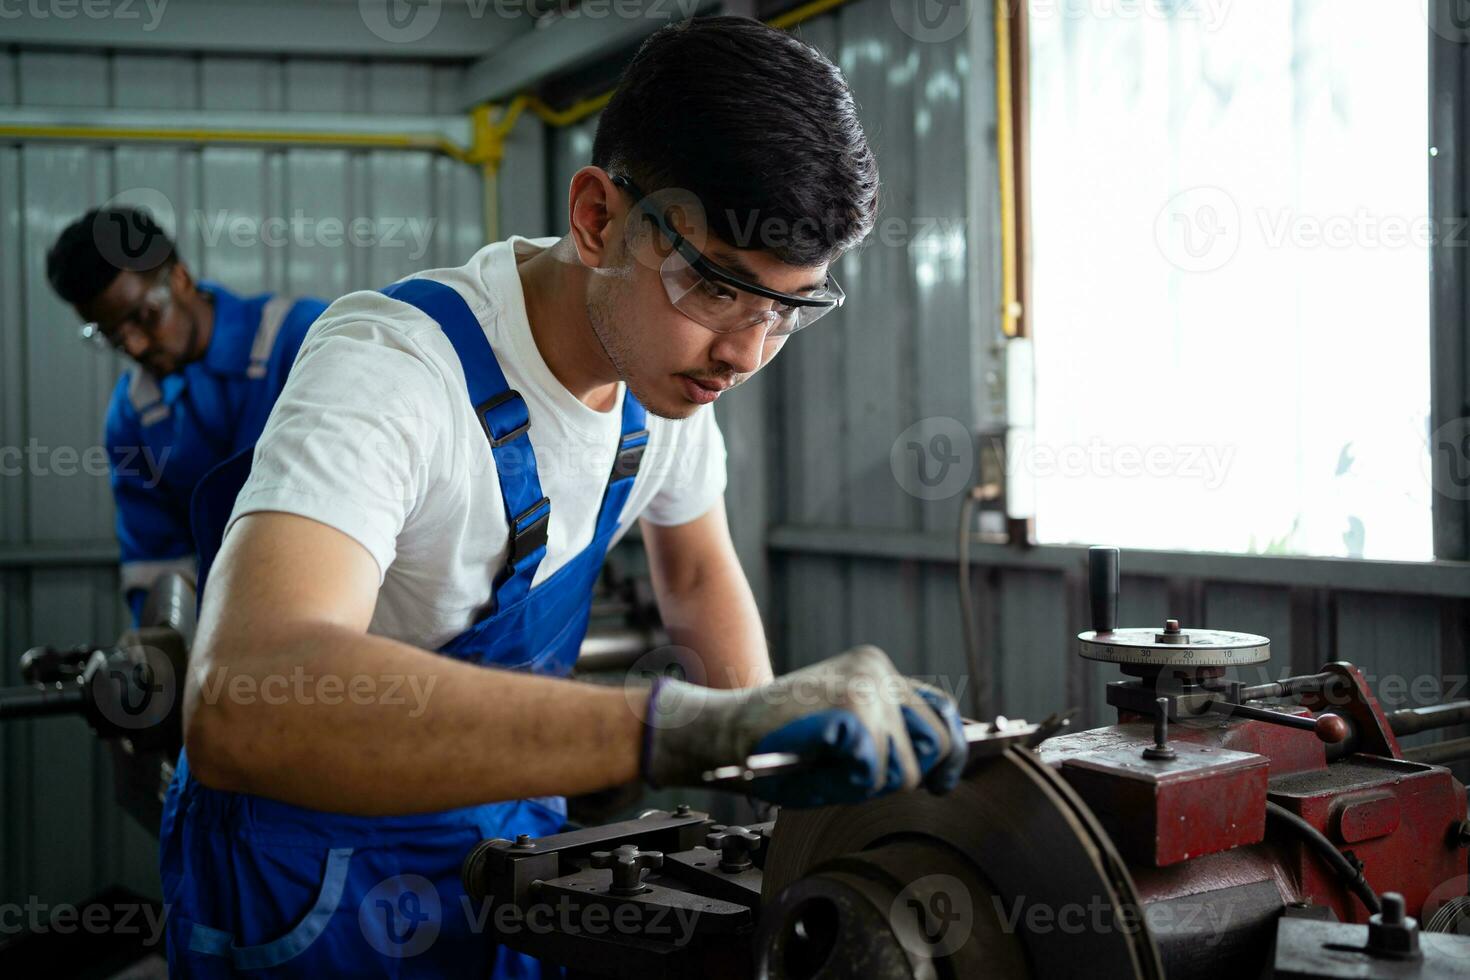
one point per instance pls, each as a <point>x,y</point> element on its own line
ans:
<point>1218,829</point>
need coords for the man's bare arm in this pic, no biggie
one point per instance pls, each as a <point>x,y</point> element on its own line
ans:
<point>289,697</point>
<point>705,599</point>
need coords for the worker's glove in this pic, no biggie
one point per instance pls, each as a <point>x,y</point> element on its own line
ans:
<point>869,729</point>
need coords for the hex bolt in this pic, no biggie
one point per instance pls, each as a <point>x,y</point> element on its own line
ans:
<point>524,842</point>
<point>628,864</point>
<point>735,845</point>
<point>1161,748</point>
<point>682,810</point>
<point>1392,932</point>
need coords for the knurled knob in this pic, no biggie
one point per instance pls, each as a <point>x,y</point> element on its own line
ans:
<point>628,864</point>
<point>735,845</point>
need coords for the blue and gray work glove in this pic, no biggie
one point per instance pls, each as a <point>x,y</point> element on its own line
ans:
<point>869,729</point>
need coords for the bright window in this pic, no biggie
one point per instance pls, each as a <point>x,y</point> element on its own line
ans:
<point>1231,275</point>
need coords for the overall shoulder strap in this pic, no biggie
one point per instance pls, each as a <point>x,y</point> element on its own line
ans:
<point>272,315</point>
<point>631,444</point>
<point>506,422</point>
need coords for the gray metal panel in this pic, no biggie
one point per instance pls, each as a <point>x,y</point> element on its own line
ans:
<point>1396,642</point>
<point>240,83</point>
<point>941,659</point>
<point>561,45</point>
<point>1449,188</point>
<point>877,353</point>
<point>1253,609</point>
<point>154,81</point>
<point>14,501</point>
<point>1034,652</point>
<point>276,28</point>
<point>815,618</point>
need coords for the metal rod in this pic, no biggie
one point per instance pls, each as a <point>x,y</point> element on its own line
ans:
<point>1287,686</point>
<point>1439,753</point>
<point>1328,727</point>
<point>1411,720</point>
<point>39,702</point>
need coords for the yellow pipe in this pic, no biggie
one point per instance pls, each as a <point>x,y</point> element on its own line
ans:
<point>1005,139</point>
<point>803,13</point>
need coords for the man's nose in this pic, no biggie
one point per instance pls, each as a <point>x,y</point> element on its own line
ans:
<point>742,349</point>
<point>134,342</point>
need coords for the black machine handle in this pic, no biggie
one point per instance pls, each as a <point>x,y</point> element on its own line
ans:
<point>1102,587</point>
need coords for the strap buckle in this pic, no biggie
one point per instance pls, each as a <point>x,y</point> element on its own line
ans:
<point>524,540</point>
<point>630,455</point>
<point>482,410</point>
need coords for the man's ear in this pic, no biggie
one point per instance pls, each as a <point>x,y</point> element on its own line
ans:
<point>596,212</point>
<point>180,280</point>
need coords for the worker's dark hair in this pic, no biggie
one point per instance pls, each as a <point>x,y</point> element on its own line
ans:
<point>758,125</point>
<point>91,251</point>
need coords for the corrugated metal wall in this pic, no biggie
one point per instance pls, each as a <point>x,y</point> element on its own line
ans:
<point>62,836</point>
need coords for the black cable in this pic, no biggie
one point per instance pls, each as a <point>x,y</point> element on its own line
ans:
<point>978,692</point>
<point>1352,876</point>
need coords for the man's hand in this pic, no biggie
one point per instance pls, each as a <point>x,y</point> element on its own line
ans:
<point>868,729</point>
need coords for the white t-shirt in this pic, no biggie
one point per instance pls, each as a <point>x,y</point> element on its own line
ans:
<point>374,435</point>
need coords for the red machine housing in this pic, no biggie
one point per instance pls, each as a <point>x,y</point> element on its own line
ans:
<point>1195,826</point>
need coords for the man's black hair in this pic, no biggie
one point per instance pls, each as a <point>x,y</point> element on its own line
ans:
<point>756,124</point>
<point>91,251</point>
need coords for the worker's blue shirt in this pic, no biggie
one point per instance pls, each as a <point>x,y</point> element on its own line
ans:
<point>164,434</point>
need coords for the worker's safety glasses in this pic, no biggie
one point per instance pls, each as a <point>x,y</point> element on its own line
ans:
<point>722,301</point>
<point>144,318</point>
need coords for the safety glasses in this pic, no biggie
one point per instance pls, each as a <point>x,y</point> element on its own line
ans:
<point>722,301</point>
<point>145,318</point>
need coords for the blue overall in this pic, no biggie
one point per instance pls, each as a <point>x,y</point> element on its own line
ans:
<point>164,434</point>
<point>257,887</point>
